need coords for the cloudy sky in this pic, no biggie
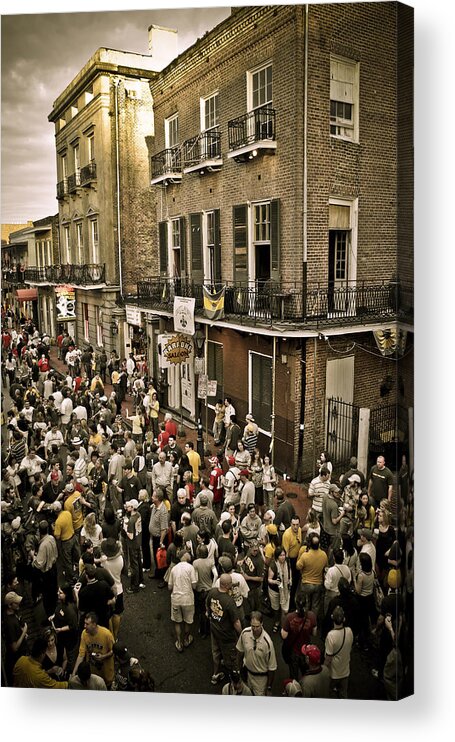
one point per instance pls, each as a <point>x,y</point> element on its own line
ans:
<point>38,62</point>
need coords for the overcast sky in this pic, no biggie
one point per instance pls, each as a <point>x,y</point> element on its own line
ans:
<point>40,55</point>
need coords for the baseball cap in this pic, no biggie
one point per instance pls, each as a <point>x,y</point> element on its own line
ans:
<point>354,478</point>
<point>312,652</point>
<point>231,460</point>
<point>292,688</point>
<point>213,460</point>
<point>54,475</point>
<point>272,529</point>
<point>83,481</point>
<point>12,597</point>
<point>244,473</point>
<point>225,563</point>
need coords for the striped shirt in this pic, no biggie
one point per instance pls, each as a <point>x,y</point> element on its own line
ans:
<point>316,491</point>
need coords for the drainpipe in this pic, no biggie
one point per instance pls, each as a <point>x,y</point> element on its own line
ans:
<point>117,174</point>
<point>272,440</point>
<point>305,161</point>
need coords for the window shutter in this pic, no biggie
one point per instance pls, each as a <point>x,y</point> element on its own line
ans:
<point>217,248</point>
<point>196,247</point>
<point>240,217</point>
<point>275,239</point>
<point>182,228</point>
<point>163,248</point>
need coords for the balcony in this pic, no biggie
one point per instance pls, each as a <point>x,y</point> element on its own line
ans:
<point>252,133</point>
<point>62,188</point>
<point>202,153</point>
<point>88,174</point>
<point>89,274</point>
<point>13,276</point>
<point>167,166</point>
<point>289,303</point>
<point>74,181</point>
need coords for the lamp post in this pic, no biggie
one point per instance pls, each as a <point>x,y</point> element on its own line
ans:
<point>199,341</point>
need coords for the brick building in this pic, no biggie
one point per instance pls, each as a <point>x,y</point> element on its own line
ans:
<point>282,169</point>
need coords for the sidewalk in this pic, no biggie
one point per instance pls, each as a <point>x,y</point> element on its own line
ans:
<point>300,501</point>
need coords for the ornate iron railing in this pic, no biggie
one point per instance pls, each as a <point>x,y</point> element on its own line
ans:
<point>166,162</point>
<point>203,147</point>
<point>255,126</point>
<point>79,275</point>
<point>74,181</point>
<point>88,173</point>
<point>62,188</point>
<point>288,302</point>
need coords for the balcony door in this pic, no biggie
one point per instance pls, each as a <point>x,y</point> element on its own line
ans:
<point>342,259</point>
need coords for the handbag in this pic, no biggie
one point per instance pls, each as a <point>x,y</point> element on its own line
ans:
<point>378,594</point>
<point>160,559</point>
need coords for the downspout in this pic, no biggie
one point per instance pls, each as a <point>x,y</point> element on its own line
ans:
<point>117,174</point>
<point>272,440</point>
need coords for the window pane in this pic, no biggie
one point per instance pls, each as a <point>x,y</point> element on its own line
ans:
<point>261,392</point>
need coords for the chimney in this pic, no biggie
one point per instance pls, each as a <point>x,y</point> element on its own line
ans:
<point>162,46</point>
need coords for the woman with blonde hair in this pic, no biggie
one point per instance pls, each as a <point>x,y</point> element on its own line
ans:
<point>92,530</point>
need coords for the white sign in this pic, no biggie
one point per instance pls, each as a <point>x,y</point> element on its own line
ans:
<point>133,316</point>
<point>199,365</point>
<point>184,315</point>
<point>202,386</point>
<point>211,387</point>
<point>163,362</point>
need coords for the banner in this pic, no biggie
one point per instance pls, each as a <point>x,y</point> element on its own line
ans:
<point>65,303</point>
<point>391,341</point>
<point>184,315</point>
<point>177,349</point>
<point>214,303</point>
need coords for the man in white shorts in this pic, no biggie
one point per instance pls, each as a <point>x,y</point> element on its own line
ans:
<point>182,583</point>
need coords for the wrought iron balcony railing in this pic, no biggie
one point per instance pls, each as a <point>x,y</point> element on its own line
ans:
<point>251,128</point>
<point>88,173</point>
<point>13,275</point>
<point>201,148</point>
<point>289,303</point>
<point>62,188</point>
<point>74,181</point>
<point>78,275</point>
<point>167,163</point>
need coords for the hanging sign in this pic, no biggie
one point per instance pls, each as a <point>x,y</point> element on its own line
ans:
<point>133,316</point>
<point>184,315</point>
<point>202,386</point>
<point>177,349</point>
<point>65,303</point>
<point>211,387</point>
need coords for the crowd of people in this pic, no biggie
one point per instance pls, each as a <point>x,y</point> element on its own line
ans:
<point>96,500</point>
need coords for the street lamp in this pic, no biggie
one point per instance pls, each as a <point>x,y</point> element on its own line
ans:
<point>199,341</point>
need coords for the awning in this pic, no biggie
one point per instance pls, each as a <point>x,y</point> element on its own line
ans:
<point>27,294</point>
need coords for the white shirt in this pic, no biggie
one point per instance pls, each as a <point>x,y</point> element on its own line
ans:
<point>183,580</point>
<point>230,410</point>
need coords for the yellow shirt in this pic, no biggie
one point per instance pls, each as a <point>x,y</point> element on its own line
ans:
<point>63,528</point>
<point>195,462</point>
<point>102,642</point>
<point>312,563</point>
<point>74,506</point>
<point>28,673</point>
<point>291,542</point>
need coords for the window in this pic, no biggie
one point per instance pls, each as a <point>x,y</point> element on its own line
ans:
<point>209,112</point>
<point>260,389</point>
<point>94,241</point>
<point>86,322</point>
<point>48,253</point>
<point>76,158</point>
<point>91,146</point>
<point>64,166</point>
<point>342,256</point>
<point>259,83</point>
<point>215,369</point>
<point>99,326</point>
<point>66,243</point>
<point>171,131</point>
<point>176,267</point>
<point>80,243</point>
<point>344,98</point>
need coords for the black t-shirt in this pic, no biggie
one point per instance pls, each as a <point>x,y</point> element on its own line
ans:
<point>94,597</point>
<point>130,487</point>
<point>65,615</point>
<point>253,566</point>
<point>381,480</point>
<point>50,493</point>
<point>222,613</point>
<point>226,548</point>
<point>12,626</point>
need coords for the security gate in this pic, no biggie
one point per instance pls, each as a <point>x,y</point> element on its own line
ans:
<point>342,432</point>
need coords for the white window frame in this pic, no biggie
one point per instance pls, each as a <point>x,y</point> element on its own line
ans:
<point>85,319</point>
<point>94,243</point>
<point>91,147</point>
<point>80,241</point>
<point>169,132</point>
<point>353,205</point>
<point>203,103</point>
<point>211,405</point>
<point>48,252</point>
<point>173,248</point>
<point>76,157</point>
<point>99,326</point>
<point>207,244</point>
<point>67,242</point>
<point>250,385</point>
<point>249,85</point>
<point>64,165</point>
<point>349,95</point>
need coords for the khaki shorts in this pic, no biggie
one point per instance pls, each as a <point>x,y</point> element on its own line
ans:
<point>182,613</point>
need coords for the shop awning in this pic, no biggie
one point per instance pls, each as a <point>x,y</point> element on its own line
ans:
<point>27,294</point>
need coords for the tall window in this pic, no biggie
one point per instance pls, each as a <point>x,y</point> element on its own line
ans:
<point>91,146</point>
<point>260,389</point>
<point>171,131</point>
<point>86,322</point>
<point>99,325</point>
<point>80,243</point>
<point>209,112</point>
<point>344,98</point>
<point>94,241</point>
<point>260,87</point>
<point>67,243</point>
<point>342,266</point>
<point>64,166</point>
<point>76,158</point>
<point>215,370</point>
<point>176,242</point>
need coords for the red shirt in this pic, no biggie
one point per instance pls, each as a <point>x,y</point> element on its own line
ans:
<point>6,339</point>
<point>171,428</point>
<point>215,483</point>
<point>43,364</point>
<point>163,439</point>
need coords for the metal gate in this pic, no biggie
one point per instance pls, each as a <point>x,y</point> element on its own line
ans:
<point>342,432</point>
<point>389,434</point>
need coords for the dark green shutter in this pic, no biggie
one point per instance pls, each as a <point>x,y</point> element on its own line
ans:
<point>240,222</point>
<point>182,228</point>
<point>217,248</point>
<point>163,248</point>
<point>275,239</point>
<point>197,265</point>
